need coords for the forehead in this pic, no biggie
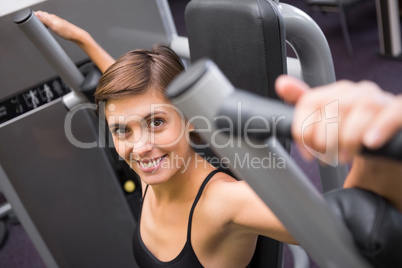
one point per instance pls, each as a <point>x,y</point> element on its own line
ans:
<point>139,105</point>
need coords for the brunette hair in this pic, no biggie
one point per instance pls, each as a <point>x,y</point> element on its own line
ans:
<point>137,71</point>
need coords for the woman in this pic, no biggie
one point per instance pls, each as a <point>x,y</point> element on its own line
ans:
<point>147,133</point>
<point>216,229</point>
<point>192,215</point>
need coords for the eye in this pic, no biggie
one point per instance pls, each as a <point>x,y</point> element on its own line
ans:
<point>156,122</point>
<point>120,131</point>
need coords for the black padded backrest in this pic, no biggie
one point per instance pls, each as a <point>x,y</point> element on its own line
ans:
<point>246,39</point>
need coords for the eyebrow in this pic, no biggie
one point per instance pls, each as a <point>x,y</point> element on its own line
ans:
<point>145,118</point>
<point>150,115</point>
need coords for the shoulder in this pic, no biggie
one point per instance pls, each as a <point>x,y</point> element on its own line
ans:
<point>220,185</point>
<point>223,185</point>
<point>223,195</point>
<point>233,205</point>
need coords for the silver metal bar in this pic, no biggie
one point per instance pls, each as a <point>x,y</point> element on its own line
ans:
<point>4,209</point>
<point>317,68</point>
<point>294,68</point>
<point>167,18</point>
<point>389,27</point>
<point>310,45</point>
<point>37,33</point>
<point>300,258</point>
<point>181,46</point>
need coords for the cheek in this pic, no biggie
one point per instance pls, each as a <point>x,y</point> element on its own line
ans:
<point>170,137</point>
<point>122,149</point>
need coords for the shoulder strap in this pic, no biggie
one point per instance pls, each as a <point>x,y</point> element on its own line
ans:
<point>190,219</point>
<point>145,192</point>
<point>140,212</point>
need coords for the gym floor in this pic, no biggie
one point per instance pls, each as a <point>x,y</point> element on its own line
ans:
<point>366,64</point>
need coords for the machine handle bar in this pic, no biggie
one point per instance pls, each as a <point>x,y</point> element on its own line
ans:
<point>242,113</point>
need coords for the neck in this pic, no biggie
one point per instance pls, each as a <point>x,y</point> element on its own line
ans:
<point>184,185</point>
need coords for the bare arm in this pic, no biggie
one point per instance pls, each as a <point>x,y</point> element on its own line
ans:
<point>246,213</point>
<point>254,215</point>
<point>83,39</point>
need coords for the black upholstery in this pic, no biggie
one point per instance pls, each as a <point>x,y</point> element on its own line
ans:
<point>246,39</point>
<point>375,224</point>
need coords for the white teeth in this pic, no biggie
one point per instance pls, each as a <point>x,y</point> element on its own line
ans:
<point>150,163</point>
<point>145,165</point>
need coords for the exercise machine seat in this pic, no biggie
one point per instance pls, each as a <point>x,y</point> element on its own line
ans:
<point>375,224</point>
<point>245,38</point>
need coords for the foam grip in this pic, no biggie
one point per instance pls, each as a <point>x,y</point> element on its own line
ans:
<point>375,224</point>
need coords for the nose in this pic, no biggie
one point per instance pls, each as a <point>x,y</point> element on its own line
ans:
<point>141,148</point>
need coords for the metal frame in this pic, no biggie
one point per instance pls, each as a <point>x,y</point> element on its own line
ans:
<point>47,45</point>
<point>317,68</point>
<point>389,28</point>
<point>178,43</point>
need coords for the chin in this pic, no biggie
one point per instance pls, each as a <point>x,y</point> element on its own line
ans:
<point>159,177</point>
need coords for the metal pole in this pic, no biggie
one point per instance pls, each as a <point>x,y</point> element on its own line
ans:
<point>317,68</point>
<point>37,33</point>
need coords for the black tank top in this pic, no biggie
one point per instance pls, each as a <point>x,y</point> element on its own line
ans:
<point>186,257</point>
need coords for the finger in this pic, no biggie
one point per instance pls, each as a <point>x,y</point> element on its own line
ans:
<point>352,128</point>
<point>42,16</point>
<point>289,88</point>
<point>313,121</point>
<point>38,13</point>
<point>316,111</point>
<point>337,100</point>
<point>384,125</point>
<point>304,129</point>
<point>326,135</point>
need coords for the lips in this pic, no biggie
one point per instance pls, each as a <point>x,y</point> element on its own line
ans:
<point>150,164</point>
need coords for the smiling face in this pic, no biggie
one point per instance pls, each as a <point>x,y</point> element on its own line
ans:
<point>150,134</point>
